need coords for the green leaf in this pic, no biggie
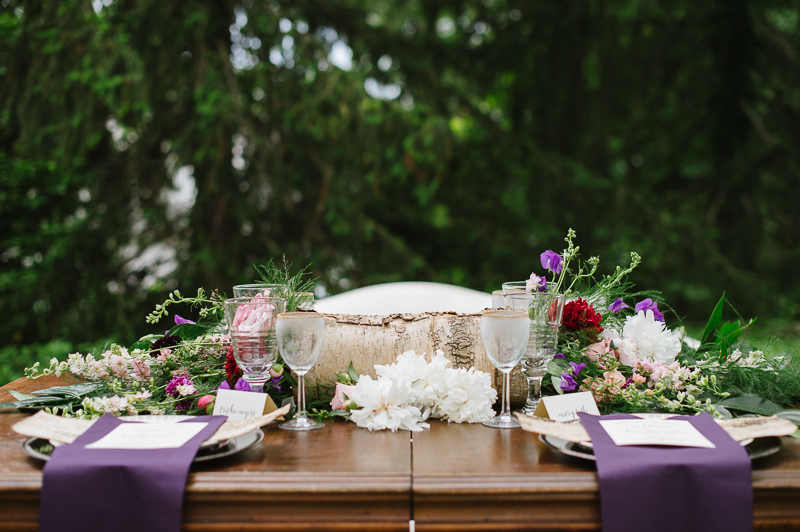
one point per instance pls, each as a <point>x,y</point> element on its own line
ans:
<point>714,321</point>
<point>189,331</point>
<point>21,396</point>
<point>78,391</point>
<point>754,404</point>
<point>353,373</point>
<point>792,415</point>
<point>557,384</point>
<point>795,434</point>
<point>556,367</point>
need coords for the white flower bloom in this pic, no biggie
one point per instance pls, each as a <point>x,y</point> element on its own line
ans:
<point>186,389</point>
<point>386,404</point>
<point>653,341</point>
<point>469,397</point>
<point>76,364</point>
<point>427,381</point>
<point>118,365</point>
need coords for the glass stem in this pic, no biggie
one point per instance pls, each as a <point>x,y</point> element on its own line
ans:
<point>257,387</point>
<point>301,396</point>
<point>506,412</point>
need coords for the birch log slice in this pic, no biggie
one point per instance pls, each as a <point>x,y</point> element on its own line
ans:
<point>369,340</point>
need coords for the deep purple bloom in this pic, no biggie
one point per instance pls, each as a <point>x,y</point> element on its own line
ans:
<point>649,304</point>
<point>576,368</point>
<point>172,387</point>
<point>617,305</point>
<point>241,385</point>
<point>559,355</point>
<point>181,321</point>
<point>568,383</point>
<point>551,261</point>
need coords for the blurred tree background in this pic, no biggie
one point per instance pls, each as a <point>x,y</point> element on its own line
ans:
<point>153,145</point>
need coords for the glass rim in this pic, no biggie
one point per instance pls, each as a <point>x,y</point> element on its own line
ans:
<point>536,295</point>
<point>256,285</point>
<point>307,314</point>
<point>254,299</point>
<point>504,313</point>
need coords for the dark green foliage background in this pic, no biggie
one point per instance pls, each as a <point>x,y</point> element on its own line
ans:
<point>664,127</point>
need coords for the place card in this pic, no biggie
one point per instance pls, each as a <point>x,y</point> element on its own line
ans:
<point>242,405</point>
<point>566,407</point>
<point>677,433</point>
<point>148,436</point>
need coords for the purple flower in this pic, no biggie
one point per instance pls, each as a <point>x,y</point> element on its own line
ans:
<point>172,387</point>
<point>181,321</point>
<point>241,385</point>
<point>551,261</point>
<point>568,383</point>
<point>559,355</point>
<point>576,368</point>
<point>649,304</point>
<point>617,305</point>
<point>536,283</point>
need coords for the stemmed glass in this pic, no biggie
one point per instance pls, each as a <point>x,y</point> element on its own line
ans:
<point>300,338</point>
<point>251,325</point>
<point>505,337</point>
<point>545,311</point>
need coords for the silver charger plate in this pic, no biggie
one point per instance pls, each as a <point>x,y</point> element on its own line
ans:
<point>40,449</point>
<point>758,448</point>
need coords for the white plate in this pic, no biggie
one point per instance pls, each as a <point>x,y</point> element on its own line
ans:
<point>33,447</point>
<point>758,448</point>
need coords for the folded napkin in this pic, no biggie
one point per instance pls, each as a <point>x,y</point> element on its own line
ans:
<point>88,489</point>
<point>669,489</point>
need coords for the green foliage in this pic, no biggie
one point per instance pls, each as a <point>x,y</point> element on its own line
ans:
<point>641,125</point>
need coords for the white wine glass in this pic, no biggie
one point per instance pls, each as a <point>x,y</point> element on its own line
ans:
<point>300,339</point>
<point>505,336</point>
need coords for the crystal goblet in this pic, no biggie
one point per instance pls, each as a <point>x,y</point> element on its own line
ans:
<point>300,339</point>
<point>545,311</point>
<point>505,336</point>
<point>251,325</point>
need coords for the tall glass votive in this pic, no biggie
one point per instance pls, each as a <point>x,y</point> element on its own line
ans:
<point>545,311</point>
<point>251,325</point>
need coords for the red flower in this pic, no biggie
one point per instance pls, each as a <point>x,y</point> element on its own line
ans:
<point>232,371</point>
<point>579,316</point>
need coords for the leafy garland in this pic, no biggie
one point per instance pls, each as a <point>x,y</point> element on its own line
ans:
<point>177,372</point>
<point>614,342</point>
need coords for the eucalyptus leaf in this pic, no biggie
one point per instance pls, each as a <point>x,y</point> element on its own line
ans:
<point>750,403</point>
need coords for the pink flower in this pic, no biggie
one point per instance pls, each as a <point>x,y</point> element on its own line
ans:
<point>140,369</point>
<point>254,317</point>
<point>207,401</point>
<point>600,351</point>
<point>638,379</point>
<point>614,378</point>
<point>339,402</point>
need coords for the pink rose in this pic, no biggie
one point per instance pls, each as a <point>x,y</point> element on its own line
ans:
<point>339,402</point>
<point>207,402</point>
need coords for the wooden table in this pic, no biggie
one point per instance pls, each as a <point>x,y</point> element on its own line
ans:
<point>451,477</point>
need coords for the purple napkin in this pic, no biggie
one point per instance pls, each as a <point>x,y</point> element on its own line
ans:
<point>124,490</point>
<point>670,489</point>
